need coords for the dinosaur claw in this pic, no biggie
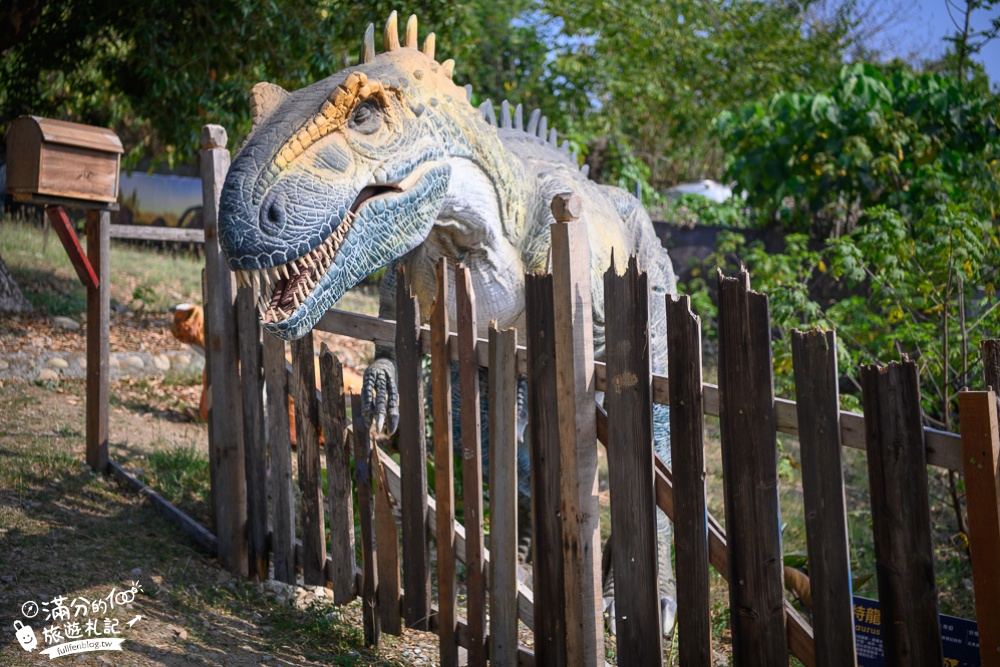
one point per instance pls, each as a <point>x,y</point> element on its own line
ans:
<point>393,422</point>
<point>379,422</point>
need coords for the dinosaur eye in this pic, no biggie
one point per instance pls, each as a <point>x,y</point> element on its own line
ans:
<point>367,118</point>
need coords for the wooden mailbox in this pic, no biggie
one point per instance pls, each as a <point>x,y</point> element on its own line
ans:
<point>55,159</point>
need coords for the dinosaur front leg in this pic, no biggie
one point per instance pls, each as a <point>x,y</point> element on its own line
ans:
<point>379,390</point>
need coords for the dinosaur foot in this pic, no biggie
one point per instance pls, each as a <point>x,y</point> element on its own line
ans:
<point>668,615</point>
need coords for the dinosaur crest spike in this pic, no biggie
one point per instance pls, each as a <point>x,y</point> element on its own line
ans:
<point>564,146</point>
<point>429,46</point>
<point>585,170</point>
<point>468,92</point>
<point>519,118</point>
<point>505,115</point>
<point>449,67</point>
<point>533,121</point>
<point>368,45</point>
<point>410,38</point>
<point>390,38</point>
<point>543,127</point>
<point>264,99</point>
<point>553,137</point>
<point>486,109</point>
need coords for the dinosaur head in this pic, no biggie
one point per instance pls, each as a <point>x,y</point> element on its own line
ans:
<point>339,178</point>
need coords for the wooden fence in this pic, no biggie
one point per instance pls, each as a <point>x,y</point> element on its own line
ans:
<point>252,473</point>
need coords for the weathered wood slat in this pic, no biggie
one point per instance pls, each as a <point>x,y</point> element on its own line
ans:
<point>226,458</point>
<point>904,555</point>
<point>687,448</point>
<point>340,504</point>
<point>254,444</point>
<point>543,427</point>
<point>630,467</point>
<point>413,455</point>
<point>472,466</point>
<point>981,439</point>
<point>990,348</point>
<point>280,450</point>
<point>574,349</point>
<point>303,391</point>
<point>750,472</point>
<point>814,357</point>
<point>444,473</point>
<point>943,449</point>
<point>503,495</point>
<point>388,552</point>
<point>146,233</point>
<point>366,511</point>
<point>98,342</point>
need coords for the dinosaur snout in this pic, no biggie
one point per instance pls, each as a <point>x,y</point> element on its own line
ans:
<point>272,214</point>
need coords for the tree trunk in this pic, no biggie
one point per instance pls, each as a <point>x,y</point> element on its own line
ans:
<point>11,299</point>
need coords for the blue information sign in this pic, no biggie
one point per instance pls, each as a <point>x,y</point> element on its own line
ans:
<point>959,637</point>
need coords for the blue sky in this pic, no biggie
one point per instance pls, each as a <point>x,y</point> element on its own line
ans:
<point>927,22</point>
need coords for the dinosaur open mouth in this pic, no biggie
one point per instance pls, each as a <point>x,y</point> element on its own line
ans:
<point>284,288</point>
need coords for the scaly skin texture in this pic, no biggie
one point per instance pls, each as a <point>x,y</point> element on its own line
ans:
<point>387,163</point>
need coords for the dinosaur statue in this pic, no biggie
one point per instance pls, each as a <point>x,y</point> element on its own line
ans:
<point>388,163</point>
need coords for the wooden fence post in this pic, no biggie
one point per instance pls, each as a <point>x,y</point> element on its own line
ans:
<point>472,466</point>
<point>630,466</point>
<point>226,458</point>
<point>280,448</point>
<point>387,541</point>
<point>413,459</point>
<point>333,416</point>
<point>817,396</point>
<point>543,427</point>
<point>574,350</point>
<point>991,363</point>
<point>981,451</point>
<point>366,511</point>
<point>303,391</point>
<point>897,473</point>
<point>687,448</point>
<point>98,320</point>
<point>254,444</point>
<point>444,471</point>
<point>750,471</point>
<point>503,495</point>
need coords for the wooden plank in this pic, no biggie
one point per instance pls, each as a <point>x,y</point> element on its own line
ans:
<point>280,454</point>
<point>98,345</point>
<point>413,455</point>
<point>750,472</point>
<point>687,449</point>
<point>387,546</point>
<point>798,632</point>
<point>366,512</point>
<point>574,350</point>
<point>630,467</point>
<point>503,495</point>
<point>444,487</point>
<point>201,535</point>
<point>543,428</point>
<point>68,171</point>
<point>897,473</point>
<point>225,413</point>
<point>254,443</point>
<point>333,416</point>
<point>990,348</point>
<point>472,466</point>
<point>981,440</point>
<point>814,357</point>
<point>148,233</point>
<point>943,449</point>
<point>71,244</point>
<point>303,392</point>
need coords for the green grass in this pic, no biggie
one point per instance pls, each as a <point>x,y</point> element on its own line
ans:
<point>140,278</point>
<point>181,475</point>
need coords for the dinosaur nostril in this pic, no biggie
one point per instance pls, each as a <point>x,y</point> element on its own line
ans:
<point>272,214</point>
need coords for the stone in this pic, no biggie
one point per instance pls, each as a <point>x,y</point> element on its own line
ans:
<point>113,362</point>
<point>161,362</point>
<point>67,323</point>
<point>57,362</point>
<point>47,375</point>
<point>82,362</point>
<point>180,359</point>
<point>4,365</point>
<point>135,361</point>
